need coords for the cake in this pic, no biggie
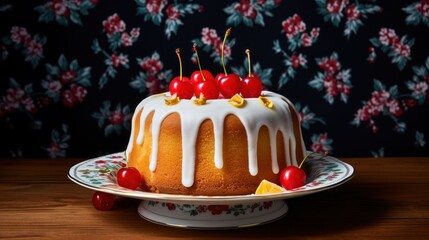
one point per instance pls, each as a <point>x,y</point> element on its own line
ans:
<point>217,148</point>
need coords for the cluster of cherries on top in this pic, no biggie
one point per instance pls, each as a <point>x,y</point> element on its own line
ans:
<point>203,84</point>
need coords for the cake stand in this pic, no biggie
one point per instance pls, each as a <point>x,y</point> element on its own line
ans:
<point>210,212</point>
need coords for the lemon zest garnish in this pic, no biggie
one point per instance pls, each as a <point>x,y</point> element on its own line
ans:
<point>237,101</point>
<point>200,101</point>
<point>266,102</point>
<point>266,187</point>
<point>173,100</point>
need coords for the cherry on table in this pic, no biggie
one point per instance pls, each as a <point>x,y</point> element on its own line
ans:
<point>103,201</point>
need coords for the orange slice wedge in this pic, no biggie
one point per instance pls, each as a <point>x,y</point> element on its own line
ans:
<point>266,187</point>
<point>266,102</point>
<point>236,101</point>
<point>173,100</point>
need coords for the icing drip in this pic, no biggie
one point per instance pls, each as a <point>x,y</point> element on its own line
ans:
<point>253,116</point>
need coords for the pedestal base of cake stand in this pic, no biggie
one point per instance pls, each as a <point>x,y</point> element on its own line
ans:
<point>226,216</point>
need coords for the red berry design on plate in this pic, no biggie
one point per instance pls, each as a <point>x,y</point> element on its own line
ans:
<point>229,84</point>
<point>207,87</point>
<point>103,201</point>
<point>181,86</point>
<point>251,86</point>
<point>129,177</point>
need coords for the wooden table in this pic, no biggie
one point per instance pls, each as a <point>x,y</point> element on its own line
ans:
<point>388,198</point>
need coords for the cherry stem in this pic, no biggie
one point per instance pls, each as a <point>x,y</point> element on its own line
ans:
<point>228,31</point>
<point>308,155</point>
<point>248,62</point>
<point>180,62</point>
<point>198,60</point>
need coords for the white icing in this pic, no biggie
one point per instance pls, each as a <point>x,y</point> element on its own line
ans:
<point>253,116</point>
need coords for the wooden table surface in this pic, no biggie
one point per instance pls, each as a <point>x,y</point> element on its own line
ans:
<point>388,198</point>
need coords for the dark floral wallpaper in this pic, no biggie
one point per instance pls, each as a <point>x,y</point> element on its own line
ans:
<point>72,71</point>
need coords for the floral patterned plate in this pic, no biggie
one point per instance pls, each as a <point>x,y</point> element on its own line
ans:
<point>210,212</point>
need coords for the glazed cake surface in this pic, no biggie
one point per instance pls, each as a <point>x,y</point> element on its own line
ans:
<point>215,148</point>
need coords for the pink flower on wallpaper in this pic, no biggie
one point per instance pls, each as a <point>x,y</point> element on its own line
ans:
<point>296,36</point>
<point>245,8</point>
<point>76,94</point>
<point>249,12</point>
<point>168,14</point>
<point>321,143</point>
<point>210,37</point>
<point>59,7</point>
<point>151,64</point>
<point>423,7</point>
<point>293,26</point>
<point>334,80</point>
<point>53,88</point>
<point>418,12</point>
<point>113,25</point>
<point>388,36</point>
<point>172,12</point>
<point>119,60</point>
<point>113,120</point>
<point>32,47</point>
<point>353,13</point>
<point>396,47</point>
<point>298,60</point>
<point>211,42</point>
<point>155,6</point>
<point>19,35</point>
<point>64,11</point>
<point>336,6</point>
<point>68,76</point>
<point>154,78</point>
<point>116,118</point>
<point>384,102</point>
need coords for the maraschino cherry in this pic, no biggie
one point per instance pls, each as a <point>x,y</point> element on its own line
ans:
<point>129,177</point>
<point>251,86</point>
<point>181,86</point>
<point>294,177</point>
<point>229,84</point>
<point>103,201</point>
<point>203,81</point>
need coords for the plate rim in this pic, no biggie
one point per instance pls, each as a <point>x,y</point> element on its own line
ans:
<point>206,200</point>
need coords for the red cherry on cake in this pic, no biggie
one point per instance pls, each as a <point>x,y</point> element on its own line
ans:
<point>129,177</point>
<point>229,84</point>
<point>201,76</point>
<point>203,81</point>
<point>251,86</point>
<point>182,88</point>
<point>292,177</point>
<point>208,89</point>
<point>103,201</point>
<point>180,85</point>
